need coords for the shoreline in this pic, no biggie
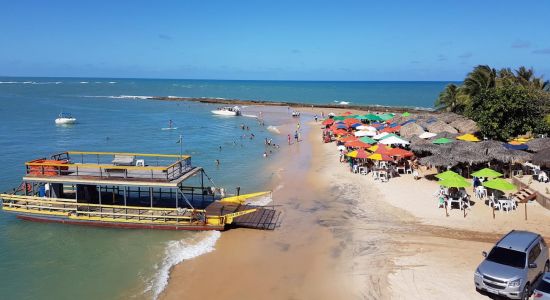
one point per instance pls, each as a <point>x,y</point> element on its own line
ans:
<point>371,107</point>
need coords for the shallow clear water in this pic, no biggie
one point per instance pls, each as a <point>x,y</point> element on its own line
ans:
<point>53,261</point>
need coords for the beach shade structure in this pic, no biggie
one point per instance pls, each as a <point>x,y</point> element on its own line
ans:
<point>515,147</point>
<point>368,140</point>
<point>391,129</point>
<point>354,126</point>
<point>468,137</point>
<point>352,121</point>
<point>380,135</point>
<point>537,145</point>
<point>388,136</point>
<point>365,127</point>
<point>454,182</point>
<point>328,122</point>
<point>337,118</point>
<point>386,116</point>
<point>359,153</point>
<point>427,135</point>
<point>486,173</point>
<point>400,152</point>
<point>357,144</point>
<point>448,174</point>
<point>372,117</point>
<point>348,139</point>
<point>441,141</point>
<point>347,113</point>
<point>379,156</point>
<point>340,132</point>
<point>394,140</point>
<point>499,184</point>
<point>341,126</point>
<point>406,114</point>
<point>365,133</point>
<point>385,149</point>
<point>542,158</point>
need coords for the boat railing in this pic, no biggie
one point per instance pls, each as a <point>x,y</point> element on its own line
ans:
<point>58,206</point>
<point>101,164</point>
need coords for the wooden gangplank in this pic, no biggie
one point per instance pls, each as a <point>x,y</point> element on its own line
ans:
<point>263,218</point>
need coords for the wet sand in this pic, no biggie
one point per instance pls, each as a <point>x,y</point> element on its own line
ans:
<point>344,236</point>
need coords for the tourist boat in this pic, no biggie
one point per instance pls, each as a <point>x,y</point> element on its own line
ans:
<point>65,118</point>
<point>130,190</point>
<point>228,111</point>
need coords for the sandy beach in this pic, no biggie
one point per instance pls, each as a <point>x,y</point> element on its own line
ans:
<point>343,235</point>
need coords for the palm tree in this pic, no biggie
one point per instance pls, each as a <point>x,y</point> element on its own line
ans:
<point>481,78</point>
<point>450,99</point>
<point>506,77</point>
<point>526,77</point>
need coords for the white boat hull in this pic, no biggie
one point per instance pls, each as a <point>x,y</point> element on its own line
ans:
<point>224,113</point>
<point>63,121</point>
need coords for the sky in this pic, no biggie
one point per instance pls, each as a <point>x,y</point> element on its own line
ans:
<point>272,40</point>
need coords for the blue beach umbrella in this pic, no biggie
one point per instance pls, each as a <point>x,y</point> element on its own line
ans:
<point>515,147</point>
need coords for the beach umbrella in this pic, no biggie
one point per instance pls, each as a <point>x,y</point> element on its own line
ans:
<point>455,182</point>
<point>364,133</point>
<point>347,113</point>
<point>388,136</point>
<point>400,152</point>
<point>341,126</point>
<point>328,122</point>
<point>379,156</point>
<point>385,150</point>
<point>367,140</point>
<point>359,153</point>
<point>366,127</point>
<point>372,117</point>
<point>448,174</point>
<point>340,132</point>
<point>380,135</point>
<point>486,172</point>
<point>391,129</point>
<point>357,144</point>
<point>440,141</point>
<point>406,114</point>
<point>394,140</point>
<point>339,118</point>
<point>499,184</point>
<point>354,126</point>
<point>375,148</point>
<point>427,135</point>
<point>341,147</point>
<point>468,137</point>
<point>348,138</point>
<point>542,158</point>
<point>352,121</point>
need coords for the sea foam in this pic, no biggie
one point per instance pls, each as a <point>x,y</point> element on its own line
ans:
<point>273,129</point>
<point>178,251</point>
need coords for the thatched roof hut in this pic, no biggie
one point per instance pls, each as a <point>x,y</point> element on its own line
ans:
<point>469,156</point>
<point>537,145</point>
<point>437,161</point>
<point>511,156</point>
<point>449,117</point>
<point>542,158</point>
<point>465,125</point>
<point>408,130</point>
<point>446,135</point>
<point>440,126</point>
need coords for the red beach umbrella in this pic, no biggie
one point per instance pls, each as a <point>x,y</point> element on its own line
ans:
<point>386,150</point>
<point>350,138</point>
<point>340,132</point>
<point>351,121</point>
<point>328,122</point>
<point>357,144</point>
<point>391,129</point>
<point>400,152</point>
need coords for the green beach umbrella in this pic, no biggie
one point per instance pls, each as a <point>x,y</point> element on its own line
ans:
<point>442,141</point>
<point>386,116</point>
<point>499,184</point>
<point>371,117</point>
<point>368,140</point>
<point>353,117</point>
<point>389,135</point>
<point>449,175</point>
<point>337,118</point>
<point>454,182</point>
<point>406,114</point>
<point>486,172</point>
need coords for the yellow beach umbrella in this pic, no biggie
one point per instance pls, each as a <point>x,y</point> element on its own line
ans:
<point>379,156</point>
<point>375,147</point>
<point>468,137</point>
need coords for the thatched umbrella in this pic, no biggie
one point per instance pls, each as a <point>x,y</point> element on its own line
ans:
<point>437,161</point>
<point>465,125</point>
<point>488,146</point>
<point>537,145</point>
<point>449,117</point>
<point>511,156</point>
<point>410,129</point>
<point>440,126</point>
<point>420,147</point>
<point>446,135</point>
<point>542,158</point>
<point>470,157</point>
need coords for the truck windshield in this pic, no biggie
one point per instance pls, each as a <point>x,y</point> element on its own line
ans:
<point>507,257</point>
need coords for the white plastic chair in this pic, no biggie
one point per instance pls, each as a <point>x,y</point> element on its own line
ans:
<point>494,203</point>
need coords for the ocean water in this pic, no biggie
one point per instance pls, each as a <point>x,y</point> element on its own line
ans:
<point>53,261</point>
<point>392,93</point>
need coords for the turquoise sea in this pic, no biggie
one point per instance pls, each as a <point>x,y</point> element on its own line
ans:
<point>52,261</point>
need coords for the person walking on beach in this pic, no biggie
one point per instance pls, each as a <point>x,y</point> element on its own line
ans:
<point>289,138</point>
<point>296,136</point>
<point>315,117</point>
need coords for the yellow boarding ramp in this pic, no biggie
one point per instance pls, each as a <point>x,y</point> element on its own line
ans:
<point>242,198</point>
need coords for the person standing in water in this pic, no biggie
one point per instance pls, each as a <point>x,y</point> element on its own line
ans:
<point>289,138</point>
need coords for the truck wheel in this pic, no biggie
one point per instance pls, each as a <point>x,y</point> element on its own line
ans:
<point>526,292</point>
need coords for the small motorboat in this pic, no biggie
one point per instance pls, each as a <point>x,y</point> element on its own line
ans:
<point>228,111</point>
<point>64,119</point>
